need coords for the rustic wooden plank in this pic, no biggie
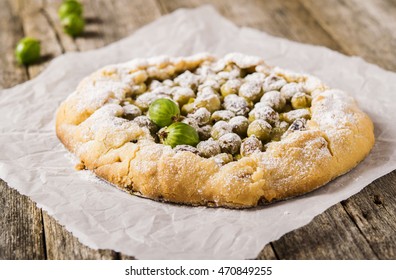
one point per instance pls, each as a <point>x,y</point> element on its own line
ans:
<point>373,211</point>
<point>62,245</point>
<point>106,22</point>
<point>113,20</point>
<point>21,235</point>
<point>35,24</point>
<point>362,24</point>
<point>267,253</point>
<point>91,38</point>
<point>364,28</point>
<point>291,20</point>
<point>126,17</point>
<point>59,243</point>
<point>331,235</point>
<point>10,33</point>
<point>287,18</point>
<point>50,11</point>
<point>126,257</point>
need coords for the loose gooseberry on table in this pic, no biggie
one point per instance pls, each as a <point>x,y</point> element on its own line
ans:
<point>27,51</point>
<point>73,25</point>
<point>69,7</point>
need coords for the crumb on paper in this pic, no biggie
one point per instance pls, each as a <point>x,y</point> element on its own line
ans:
<point>79,166</point>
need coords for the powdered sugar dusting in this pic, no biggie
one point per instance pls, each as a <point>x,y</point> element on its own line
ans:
<point>333,111</point>
<point>199,76</point>
<point>242,60</point>
<point>314,151</point>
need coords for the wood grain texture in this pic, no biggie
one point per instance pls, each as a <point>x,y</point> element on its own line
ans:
<point>35,24</point>
<point>21,228</point>
<point>267,253</point>
<point>364,28</point>
<point>62,245</point>
<point>10,33</point>
<point>362,227</point>
<point>287,18</point>
<point>373,211</point>
<point>40,20</point>
<point>331,235</point>
<point>106,22</point>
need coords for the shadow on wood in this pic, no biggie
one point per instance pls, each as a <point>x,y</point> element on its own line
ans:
<point>93,20</point>
<point>91,34</point>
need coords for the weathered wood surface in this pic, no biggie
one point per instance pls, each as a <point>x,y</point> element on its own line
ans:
<point>362,227</point>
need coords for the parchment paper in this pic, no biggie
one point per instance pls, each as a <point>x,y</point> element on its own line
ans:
<point>34,162</point>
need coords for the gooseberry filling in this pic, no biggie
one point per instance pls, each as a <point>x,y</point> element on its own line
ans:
<point>219,110</point>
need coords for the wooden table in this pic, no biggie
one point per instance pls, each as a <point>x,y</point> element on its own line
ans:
<point>361,227</point>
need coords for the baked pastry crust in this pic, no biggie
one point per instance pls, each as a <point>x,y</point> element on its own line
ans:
<point>337,137</point>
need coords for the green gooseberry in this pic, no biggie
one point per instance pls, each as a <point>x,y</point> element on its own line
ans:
<point>70,7</point>
<point>250,145</point>
<point>73,25</point>
<point>179,134</point>
<point>27,50</point>
<point>163,112</point>
<point>260,128</point>
<point>300,100</point>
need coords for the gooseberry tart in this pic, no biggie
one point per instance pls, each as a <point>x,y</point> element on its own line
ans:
<point>231,132</point>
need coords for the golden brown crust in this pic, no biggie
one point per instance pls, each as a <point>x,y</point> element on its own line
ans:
<point>338,136</point>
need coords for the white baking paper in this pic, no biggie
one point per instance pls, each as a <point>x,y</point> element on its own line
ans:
<point>34,162</point>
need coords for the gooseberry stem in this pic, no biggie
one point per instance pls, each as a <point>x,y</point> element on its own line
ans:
<point>162,135</point>
<point>176,119</point>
